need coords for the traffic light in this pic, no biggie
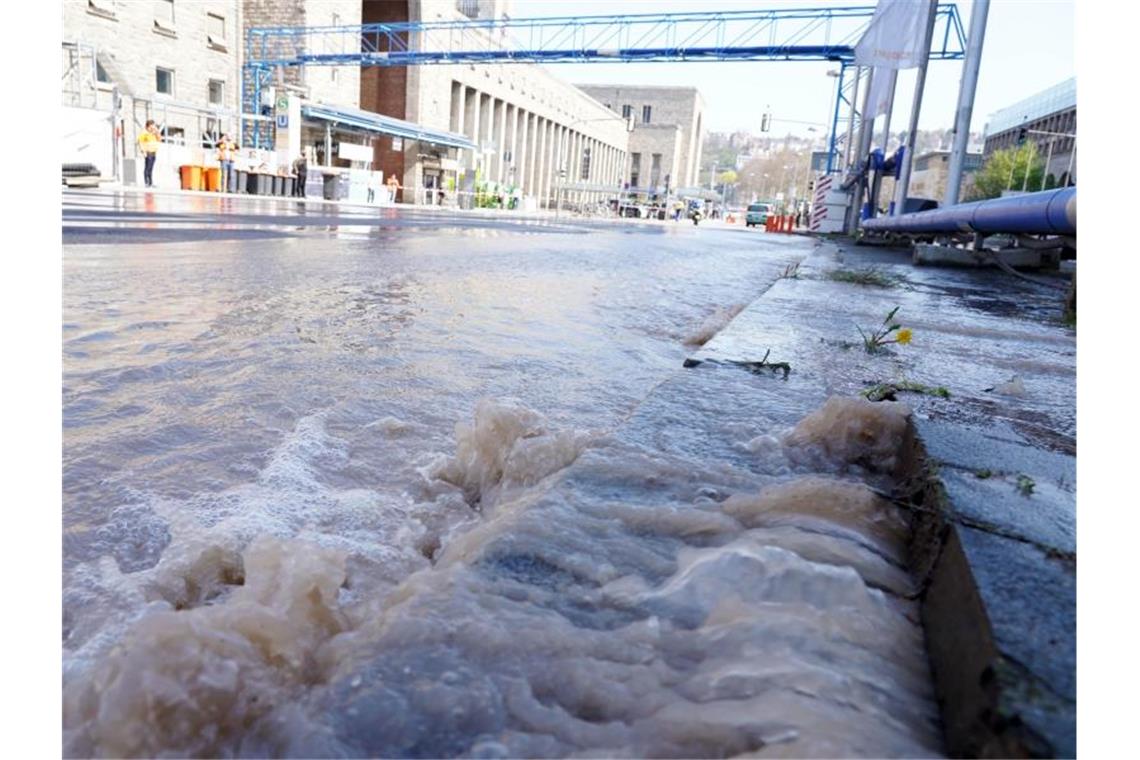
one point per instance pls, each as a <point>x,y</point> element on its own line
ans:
<point>1022,134</point>
<point>765,122</point>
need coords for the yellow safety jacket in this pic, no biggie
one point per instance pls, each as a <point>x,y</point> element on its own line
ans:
<point>148,142</point>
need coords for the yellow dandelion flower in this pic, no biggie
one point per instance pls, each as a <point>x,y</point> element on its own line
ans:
<point>904,336</point>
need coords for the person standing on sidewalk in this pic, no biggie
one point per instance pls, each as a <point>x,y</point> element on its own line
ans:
<point>226,150</point>
<point>148,145</point>
<point>301,169</point>
<point>393,186</point>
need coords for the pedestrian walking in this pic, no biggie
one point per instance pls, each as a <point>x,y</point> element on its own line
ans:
<point>226,151</point>
<point>148,146</point>
<point>393,186</point>
<point>301,169</point>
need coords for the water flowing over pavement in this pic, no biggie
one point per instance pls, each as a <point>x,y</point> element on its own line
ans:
<point>396,490</point>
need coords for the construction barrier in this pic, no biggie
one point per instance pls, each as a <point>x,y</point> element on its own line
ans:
<point>829,206</point>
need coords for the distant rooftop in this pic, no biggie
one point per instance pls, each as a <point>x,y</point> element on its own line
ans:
<point>1057,98</point>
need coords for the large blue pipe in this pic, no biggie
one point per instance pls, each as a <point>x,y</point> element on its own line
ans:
<point>1052,212</point>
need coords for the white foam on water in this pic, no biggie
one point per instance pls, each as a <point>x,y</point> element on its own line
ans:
<point>506,448</point>
<point>708,618</point>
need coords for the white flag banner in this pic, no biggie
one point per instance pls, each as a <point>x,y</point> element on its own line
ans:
<point>895,39</point>
<point>882,83</point>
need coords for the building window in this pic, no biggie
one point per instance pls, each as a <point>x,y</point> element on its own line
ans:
<point>212,134</point>
<point>101,75</point>
<point>164,81</point>
<point>104,8</point>
<point>655,170</point>
<point>646,111</point>
<point>634,168</point>
<point>626,111</point>
<point>469,8</point>
<point>216,31</point>
<point>585,163</point>
<point>217,92</point>
<point>164,16</point>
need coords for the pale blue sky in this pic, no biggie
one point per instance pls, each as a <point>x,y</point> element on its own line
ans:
<point>1029,46</point>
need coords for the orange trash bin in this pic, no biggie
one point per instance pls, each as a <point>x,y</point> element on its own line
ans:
<point>213,179</point>
<point>191,177</point>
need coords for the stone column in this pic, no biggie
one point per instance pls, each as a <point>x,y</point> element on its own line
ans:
<point>540,162</point>
<point>471,123</point>
<point>501,142</point>
<point>523,159</point>
<point>485,107</point>
<point>457,96</point>
<point>514,168</point>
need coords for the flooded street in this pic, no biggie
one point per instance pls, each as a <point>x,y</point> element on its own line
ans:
<point>311,503</point>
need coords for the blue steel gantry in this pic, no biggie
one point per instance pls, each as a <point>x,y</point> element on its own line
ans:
<point>788,34</point>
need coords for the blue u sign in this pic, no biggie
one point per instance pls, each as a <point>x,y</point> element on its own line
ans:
<point>282,121</point>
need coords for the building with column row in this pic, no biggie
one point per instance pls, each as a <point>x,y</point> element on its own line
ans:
<point>442,127</point>
<point>529,127</point>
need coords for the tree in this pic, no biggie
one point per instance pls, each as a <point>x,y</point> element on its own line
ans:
<point>1006,170</point>
<point>727,177</point>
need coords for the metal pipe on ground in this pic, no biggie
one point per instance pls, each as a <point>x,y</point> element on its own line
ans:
<point>1053,212</point>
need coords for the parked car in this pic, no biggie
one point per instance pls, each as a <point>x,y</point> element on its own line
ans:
<point>757,214</point>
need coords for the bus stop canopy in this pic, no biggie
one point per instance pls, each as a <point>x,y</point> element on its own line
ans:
<point>384,125</point>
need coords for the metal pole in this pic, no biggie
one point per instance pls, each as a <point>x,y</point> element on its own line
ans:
<point>1047,161</point>
<point>1028,166</point>
<point>916,106</point>
<point>851,117</point>
<point>835,118</point>
<point>115,145</point>
<point>864,147</point>
<point>969,85</point>
<point>1069,173</point>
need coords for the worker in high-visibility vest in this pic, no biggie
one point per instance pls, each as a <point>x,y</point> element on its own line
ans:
<point>226,151</point>
<point>148,146</point>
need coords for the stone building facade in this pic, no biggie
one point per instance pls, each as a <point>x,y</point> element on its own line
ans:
<point>932,170</point>
<point>669,131</point>
<point>1052,110</point>
<point>173,61</point>
<point>529,125</point>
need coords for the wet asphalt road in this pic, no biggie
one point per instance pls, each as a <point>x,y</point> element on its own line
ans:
<point>102,217</point>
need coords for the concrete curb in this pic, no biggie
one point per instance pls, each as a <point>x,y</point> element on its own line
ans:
<point>994,522</point>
